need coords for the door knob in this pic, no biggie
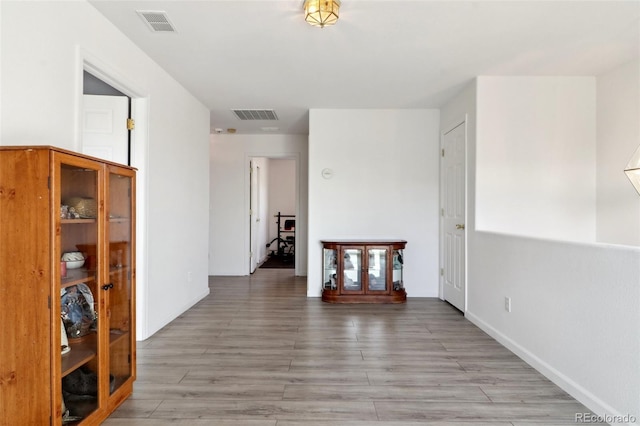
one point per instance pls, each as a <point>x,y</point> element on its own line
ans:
<point>460,226</point>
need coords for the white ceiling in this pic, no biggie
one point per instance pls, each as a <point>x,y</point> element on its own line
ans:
<point>381,54</point>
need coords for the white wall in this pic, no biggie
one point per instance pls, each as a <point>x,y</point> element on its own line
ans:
<point>229,232</point>
<point>41,96</point>
<point>282,194</point>
<point>575,309</point>
<point>618,134</point>
<point>575,314</point>
<point>385,185</point>
<point>536,156</point>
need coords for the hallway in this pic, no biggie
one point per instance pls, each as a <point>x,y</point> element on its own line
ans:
<point>258,352</point>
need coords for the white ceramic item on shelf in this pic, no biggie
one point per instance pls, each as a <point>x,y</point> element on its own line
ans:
<point>74,259</point>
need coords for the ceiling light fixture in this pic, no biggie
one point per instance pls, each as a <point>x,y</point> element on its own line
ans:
<point>321,12</point>
<point>633,170</point>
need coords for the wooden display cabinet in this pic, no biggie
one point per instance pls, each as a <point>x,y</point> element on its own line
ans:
<point>35,232</point>
<point>363,271</point>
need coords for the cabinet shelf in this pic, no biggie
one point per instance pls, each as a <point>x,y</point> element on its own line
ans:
<point>115,270</point>
<point>119,220</point>
<point>116,335</point>
<point>82,351</point>
<point>77,276</point>
<point>81,220</point>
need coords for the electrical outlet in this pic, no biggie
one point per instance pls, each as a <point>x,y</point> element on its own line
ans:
<point>507,304</point>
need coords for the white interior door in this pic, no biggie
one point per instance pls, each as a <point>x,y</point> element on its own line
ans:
<point>254,214</point>
<point>104,127</point>
<point>454,216</point>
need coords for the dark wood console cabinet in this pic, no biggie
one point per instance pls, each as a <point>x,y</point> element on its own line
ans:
<point>363,271</point>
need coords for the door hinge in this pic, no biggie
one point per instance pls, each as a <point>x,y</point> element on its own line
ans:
<point>131,124</point>
<point>443,152</point>
<point>442,272</point>
<point>49,302</point>
<point>442,212</point>
<point>48,182</point>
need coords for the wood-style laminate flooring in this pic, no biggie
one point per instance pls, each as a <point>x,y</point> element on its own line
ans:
<point>258,352</point>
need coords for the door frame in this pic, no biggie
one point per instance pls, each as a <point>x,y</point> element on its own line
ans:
<point>247,187</point>
<point>254,212</point>
<point>464,121</point>
<point>139,158</point>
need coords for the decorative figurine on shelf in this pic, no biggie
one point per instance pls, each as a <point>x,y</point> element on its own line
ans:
<point>397,260</point>
<point>349,283</point>
<point>347,261</point>
<point>331,284</point>
<point>77,310</point>
<point>373,281</point>
<point>73,214</point>
<point>67,212</point>
<point>330,259</point>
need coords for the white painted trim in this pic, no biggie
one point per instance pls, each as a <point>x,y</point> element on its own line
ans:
<point>581,394</point>
<point>86,61</point>
<point>140,160</point>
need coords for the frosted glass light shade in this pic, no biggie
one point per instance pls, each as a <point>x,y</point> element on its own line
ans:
<point>633,170</point>
<point>321,12</point>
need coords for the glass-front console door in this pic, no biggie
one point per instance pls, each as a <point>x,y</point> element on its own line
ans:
<point>77,195</point>
<point>377,270</point>
<point>352,270</point>
<point>121,270</point>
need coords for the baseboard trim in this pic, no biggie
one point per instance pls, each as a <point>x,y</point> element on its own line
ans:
<point>184,308</point>
<point>588,399</point>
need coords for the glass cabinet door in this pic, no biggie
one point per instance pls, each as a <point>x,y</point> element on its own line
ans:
<point>78,193</point>
<point>120,229</point>
<point>398,263</point>
<point>377,268</point>
<point>329,268</point>
<point>352,269</point>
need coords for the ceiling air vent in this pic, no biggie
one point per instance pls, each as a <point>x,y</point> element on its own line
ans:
<point>157,20</point>
<point>255,114</point>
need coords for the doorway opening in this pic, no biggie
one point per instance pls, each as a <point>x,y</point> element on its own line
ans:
<point>106,121</point>
<point>137,148</point>
<point>273,209</point>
